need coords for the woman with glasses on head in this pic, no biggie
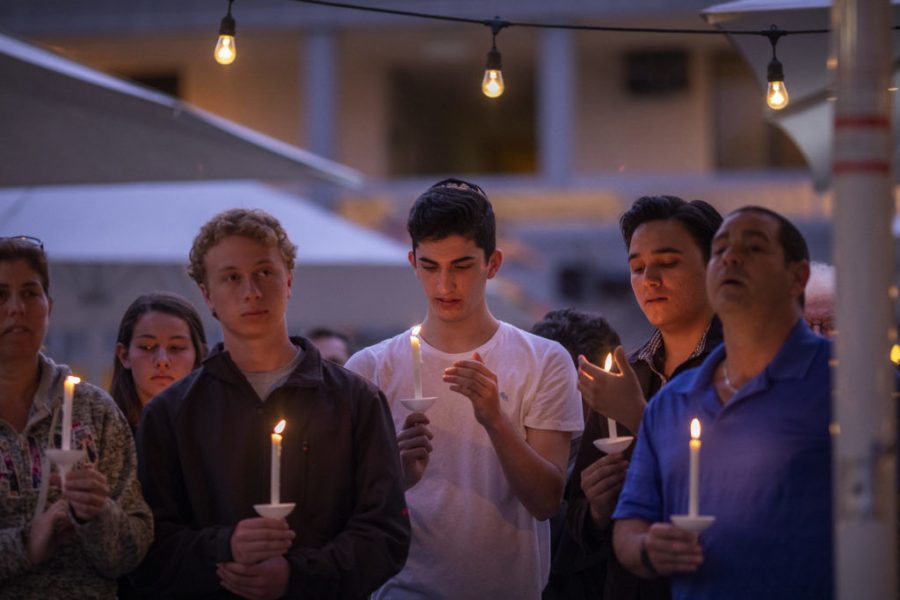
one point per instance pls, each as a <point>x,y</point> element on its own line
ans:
<point>160,340</point>
<point>58,540</point>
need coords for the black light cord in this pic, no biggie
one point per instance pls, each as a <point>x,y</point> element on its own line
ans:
<point>492,23</point>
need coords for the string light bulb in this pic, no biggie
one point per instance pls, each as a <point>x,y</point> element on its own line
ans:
<point>226,50</point>
<point>776,92</point>
<point>492,84</point>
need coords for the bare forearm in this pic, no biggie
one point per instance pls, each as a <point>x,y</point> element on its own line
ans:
<point>628,535</point>
<point>537,482</point>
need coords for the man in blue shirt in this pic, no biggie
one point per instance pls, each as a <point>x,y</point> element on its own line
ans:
<point>763,399</point>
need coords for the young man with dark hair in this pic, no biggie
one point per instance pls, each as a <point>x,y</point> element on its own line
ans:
<point>486,467</point>
<point>204,446</point>
<point>764,402</point>
<point>668,243</point>
<point>580,333</point>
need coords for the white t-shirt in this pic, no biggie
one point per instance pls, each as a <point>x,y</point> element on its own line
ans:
<point>471,536</point>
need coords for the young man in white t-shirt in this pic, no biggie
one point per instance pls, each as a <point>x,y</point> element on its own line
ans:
<point>485,468</point>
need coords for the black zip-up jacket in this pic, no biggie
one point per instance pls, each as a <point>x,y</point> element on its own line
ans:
<point>204,460</point>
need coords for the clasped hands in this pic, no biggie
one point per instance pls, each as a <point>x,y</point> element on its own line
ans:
<point>259,570</point>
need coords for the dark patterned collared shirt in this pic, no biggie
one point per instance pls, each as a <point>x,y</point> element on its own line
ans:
<point>590,564</point>
<point>653,354</point>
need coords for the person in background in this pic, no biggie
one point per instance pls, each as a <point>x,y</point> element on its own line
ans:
<point>160,340</point>
<point>574,573</point>
<point>668,243</point>
<point>763,400</point>
<point>333,345</point>
<point>74,540</point>
<point>818,309</point>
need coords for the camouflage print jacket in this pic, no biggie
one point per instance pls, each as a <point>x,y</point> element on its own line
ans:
<point>86,563</point>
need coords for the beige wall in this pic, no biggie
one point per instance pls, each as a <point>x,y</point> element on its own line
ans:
<point>263,89</point>
<point>260,90</point>
<point>620,133</point>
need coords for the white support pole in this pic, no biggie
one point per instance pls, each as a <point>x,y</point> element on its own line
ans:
<point>865,501</point>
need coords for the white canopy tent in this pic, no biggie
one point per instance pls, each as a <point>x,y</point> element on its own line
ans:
<point>110,243</point>
<point>66,123</point>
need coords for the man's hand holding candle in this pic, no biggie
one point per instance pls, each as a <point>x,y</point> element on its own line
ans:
<point>672,550</point>
<point>617,396</point>
<point>414,441</point>
<point>601,482</point>
<point>265,580</point>
<point>259,539</point>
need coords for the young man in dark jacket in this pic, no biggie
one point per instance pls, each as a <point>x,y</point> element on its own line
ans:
<point>668,243</point>
<point>204,446</point>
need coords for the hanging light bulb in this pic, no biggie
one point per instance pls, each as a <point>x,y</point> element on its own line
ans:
<point>492,83</point>
<point>226,50</point>
<point>776,92</point>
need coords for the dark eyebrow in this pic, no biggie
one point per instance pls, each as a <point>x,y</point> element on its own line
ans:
<point>455,261</point>
<point>27,284</point>
<point>663,250</point>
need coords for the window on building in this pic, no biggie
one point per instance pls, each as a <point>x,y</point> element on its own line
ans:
<point>744,138</point>
<point>656,72</point>
<point>440,123</point>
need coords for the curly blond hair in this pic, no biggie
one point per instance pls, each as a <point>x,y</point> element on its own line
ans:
<point>255,224</point>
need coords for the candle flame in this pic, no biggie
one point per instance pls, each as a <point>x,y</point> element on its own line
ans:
<point>280,427</point>
<point>895,354</point>
<point>73,380</point>
<point>695,429</point>
<point>415,330</point>
<point>607,364</point>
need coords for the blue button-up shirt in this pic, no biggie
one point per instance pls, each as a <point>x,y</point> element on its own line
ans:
<point>765,474</point>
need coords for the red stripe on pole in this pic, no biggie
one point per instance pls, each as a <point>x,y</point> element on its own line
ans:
<point>862,121</point>
<point>860,166</point>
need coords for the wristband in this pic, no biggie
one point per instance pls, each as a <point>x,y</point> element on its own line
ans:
<point>645,559</point>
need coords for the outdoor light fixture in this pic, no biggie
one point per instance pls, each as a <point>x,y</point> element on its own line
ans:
<point>776,94</point>
<point>492,83</point>
<point>226,51</point>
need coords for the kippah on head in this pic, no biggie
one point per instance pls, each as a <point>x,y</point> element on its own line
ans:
<point>459,184</point>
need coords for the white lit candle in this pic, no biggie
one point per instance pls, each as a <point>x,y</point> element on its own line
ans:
<point>694,481</point>
<point>275,478</point>
<point>68,394</point>
<point>610,423</point>
<point>416,359</point>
